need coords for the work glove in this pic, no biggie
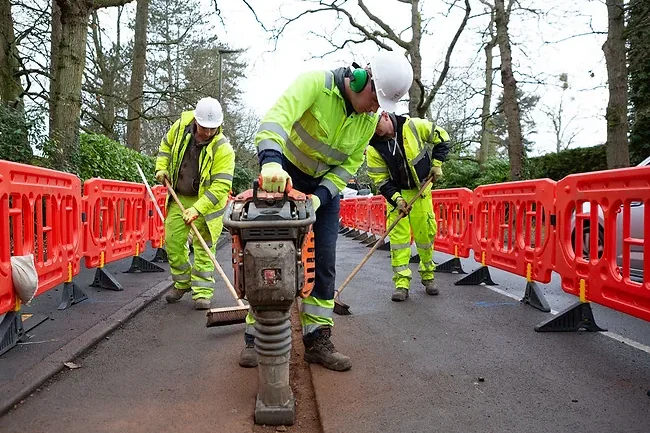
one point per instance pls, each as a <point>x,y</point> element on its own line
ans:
<point>435,173</point>
<point>274,178</point>
<point>190,215</point>
<point>402,206</point>
<point>161,175</point>
<point>315,201</point>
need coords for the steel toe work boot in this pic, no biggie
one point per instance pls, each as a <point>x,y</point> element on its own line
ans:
<point>248,355</point>
<point>175,295</point>
<point>430,287</point>
<point>319,349</point>
<point>399,295</point>
<point>202,304</point>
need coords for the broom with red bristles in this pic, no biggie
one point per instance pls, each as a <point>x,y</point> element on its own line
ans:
<point>216,316</point>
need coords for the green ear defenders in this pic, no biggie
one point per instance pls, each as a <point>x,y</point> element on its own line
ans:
<point>358,79</point>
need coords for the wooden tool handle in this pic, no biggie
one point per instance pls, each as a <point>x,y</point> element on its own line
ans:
<point>377,244</point>
<point>206,248</point>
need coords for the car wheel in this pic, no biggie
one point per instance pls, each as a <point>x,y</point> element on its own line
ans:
<point>586,241</point>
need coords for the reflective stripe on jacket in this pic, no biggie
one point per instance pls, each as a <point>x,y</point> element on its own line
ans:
<point>216,168</point>
<point>310,126</point>
<point>424,144</point>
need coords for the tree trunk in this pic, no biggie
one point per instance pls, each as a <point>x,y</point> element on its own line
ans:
<point>55,40</point>
<point>70,63</point>
<point>510,104</point>
<point>638,32</point>
<point>486,112</point>
<point>615,57</point>
<point>68,77</point>
<point>11,88</point>
<point>136,85</point>
<point>416,94</point>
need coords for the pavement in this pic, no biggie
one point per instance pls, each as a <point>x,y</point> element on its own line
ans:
<point>467,360</point>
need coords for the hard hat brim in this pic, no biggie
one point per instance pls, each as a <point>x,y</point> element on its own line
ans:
<point>209,125</point>
<point>385,103</point>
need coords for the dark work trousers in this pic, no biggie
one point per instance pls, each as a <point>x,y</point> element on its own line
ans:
<point>326,232</point>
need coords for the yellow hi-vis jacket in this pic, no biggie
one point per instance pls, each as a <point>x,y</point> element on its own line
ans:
<point>310,127</point>
<point>422,145</point>
<point>216,168</point>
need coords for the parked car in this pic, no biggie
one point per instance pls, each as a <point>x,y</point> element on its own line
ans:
<point>636,251</point>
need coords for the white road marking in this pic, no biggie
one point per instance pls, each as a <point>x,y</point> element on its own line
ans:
<point>612,335</point>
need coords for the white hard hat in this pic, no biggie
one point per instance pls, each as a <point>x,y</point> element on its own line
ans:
<point>208,113</point>
<point>393,75</point>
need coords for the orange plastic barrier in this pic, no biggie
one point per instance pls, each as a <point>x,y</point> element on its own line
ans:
<point>453,210</point>
<point>617,203</point>
<point>115,224</point>
<point>40,214</point>
<point>512,227</point>
<point>352,213</point>
<point>377,215</point>
<point>363,214</point>
<point>343,212</point>
<point>156,225</point>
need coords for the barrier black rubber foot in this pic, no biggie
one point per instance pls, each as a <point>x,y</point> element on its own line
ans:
<point>14,327</point>
<point>451,266</point>
<point>479,276</point>
<point>71,294</point>
<point>360,237</point>
<point>372,239</point>
<point>344,230</point>
<point>11,331</point>
<point>138,264</point>
<point>415,259</point>
<point>106,280</point>
<point>535,298</point>
<point>575,318</point>
<point>352,234</point>
<point>161,256</point>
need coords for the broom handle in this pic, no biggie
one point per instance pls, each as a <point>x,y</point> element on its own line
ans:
<point>376,245</point>
<point>206,248</point>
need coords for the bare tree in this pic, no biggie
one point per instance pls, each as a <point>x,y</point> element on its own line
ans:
<point>384,36</point>
<point>486,112</point>
<point>563,130</point>
<point>69,63</point>
<point>138,69</point>
<point>616,115</point>
<point>105,85</point>
<point>11,88</point>
<point>510,104</point>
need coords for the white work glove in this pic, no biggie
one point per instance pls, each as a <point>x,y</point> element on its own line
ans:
<point>274,178</point>
<point>435,173</point>
<point>402,206</point>
<point>315,201</point>
<point>161,175</point>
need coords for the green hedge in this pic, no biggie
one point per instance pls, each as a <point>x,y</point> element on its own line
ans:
<point>14,133</point>
<point>559,165</point>
<point>458,173</point>
<point>465,173</point>
<point>99,156</point>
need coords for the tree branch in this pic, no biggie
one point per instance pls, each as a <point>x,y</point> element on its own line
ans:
<point>98,4</point>
<point>385,27</point>
<point>445,69</point>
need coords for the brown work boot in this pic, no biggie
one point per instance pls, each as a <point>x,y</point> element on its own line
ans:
<point>430,287</point>
<point>201,304</point>
<point>248,355</point>
<point>175,295</point>
<point>319,349</point>
<point>399,295</point>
